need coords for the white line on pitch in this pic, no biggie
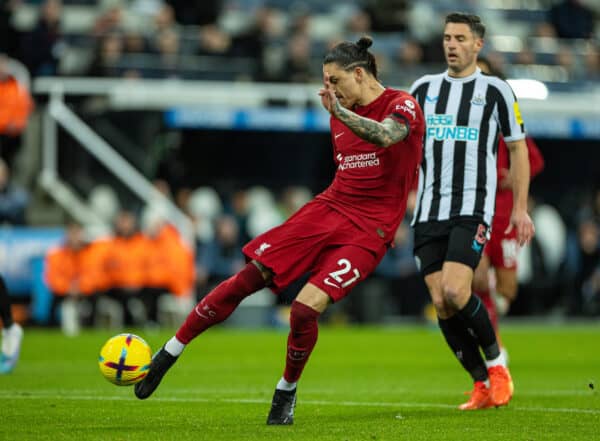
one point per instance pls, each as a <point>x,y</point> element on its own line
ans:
<point>38,395</point>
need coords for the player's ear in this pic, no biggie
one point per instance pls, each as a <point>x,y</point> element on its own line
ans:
<point>359,74</point>
<point>479,43</point>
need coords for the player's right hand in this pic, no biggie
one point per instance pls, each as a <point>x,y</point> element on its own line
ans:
<point>328,98</point>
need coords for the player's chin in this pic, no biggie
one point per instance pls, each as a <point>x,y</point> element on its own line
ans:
<point>345,103</point>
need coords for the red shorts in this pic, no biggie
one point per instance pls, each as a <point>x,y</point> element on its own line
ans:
<point>321,241</point>
<point>502,249</point>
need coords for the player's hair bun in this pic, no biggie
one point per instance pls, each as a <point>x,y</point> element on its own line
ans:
<point>364,43</point>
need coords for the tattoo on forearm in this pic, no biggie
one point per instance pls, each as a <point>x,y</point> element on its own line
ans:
<point>383,134</point>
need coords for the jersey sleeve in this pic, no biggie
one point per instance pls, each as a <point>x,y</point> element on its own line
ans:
<point>509,114</point>
<point>406,110</point>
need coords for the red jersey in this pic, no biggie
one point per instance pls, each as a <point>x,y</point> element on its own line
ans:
<point>372,183</point>
<point>504,196</point>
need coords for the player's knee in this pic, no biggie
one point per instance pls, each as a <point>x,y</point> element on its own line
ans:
<point>302,315</point>
<point>455,295</point>
<point>441,307</point>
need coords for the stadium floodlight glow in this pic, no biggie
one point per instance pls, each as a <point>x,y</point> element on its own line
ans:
<point>532,89</point>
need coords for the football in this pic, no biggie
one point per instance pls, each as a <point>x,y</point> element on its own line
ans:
<point>125,359</point>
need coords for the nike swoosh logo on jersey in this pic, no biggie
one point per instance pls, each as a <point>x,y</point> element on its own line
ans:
<point>330,283</point>
<point>337,135</point>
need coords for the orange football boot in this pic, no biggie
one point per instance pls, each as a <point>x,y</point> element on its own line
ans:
<point>480,398</point>
<point>501,385</point>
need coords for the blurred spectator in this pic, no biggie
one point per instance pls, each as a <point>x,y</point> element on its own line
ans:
<point>213,41</point>
<point>109,52</point>
<point>9,36</point>
<point>387,15</point>
<point>109,20</point>
<point>410,53</point>
<point>75,275</point>
<point>433,50</point>
<point>222,256</point>
<point>16,105</point>
<point>196,12</point>
<point>297,65</point>
<point>572,19</point>
<point>525,57</point>
<point>359,23</point>
<point>168,44</point>
<point>43,47</point>
<point>253,42</point>
<point>13,199</point>
<point>169,264</point>
<point>592,63</point>
<point>293,198</point>
<point>410,58</point>
<point>545,30</point>
<point>165,18</point>
<point>134,42</point>
<point>126,265</point>
<point>565,58</point>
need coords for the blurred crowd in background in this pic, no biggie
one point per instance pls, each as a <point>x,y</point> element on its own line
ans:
<point>275,41</point>
<point>281,40</point>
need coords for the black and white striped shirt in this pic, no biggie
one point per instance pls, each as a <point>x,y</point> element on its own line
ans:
<point>463,117</point>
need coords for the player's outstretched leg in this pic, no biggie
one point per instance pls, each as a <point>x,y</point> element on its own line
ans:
<point>11,347</point>
<point>161,362</point>
<point>282,408</point>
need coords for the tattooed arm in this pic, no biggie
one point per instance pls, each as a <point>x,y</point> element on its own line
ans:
<point>383,134</point>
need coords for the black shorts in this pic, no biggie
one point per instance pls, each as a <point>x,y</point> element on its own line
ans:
<point>456,240</point>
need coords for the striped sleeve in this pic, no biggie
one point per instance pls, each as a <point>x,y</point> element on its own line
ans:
<point>508,113</point>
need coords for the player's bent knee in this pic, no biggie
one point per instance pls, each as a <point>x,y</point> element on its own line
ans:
<point>441,307</point>
<point>455,296</point>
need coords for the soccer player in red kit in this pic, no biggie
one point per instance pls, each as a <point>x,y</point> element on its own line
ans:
<point>501,251</point>
<point>341,235</point>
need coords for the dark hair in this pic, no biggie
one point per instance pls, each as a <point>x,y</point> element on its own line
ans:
<point>350,55</point>
<point>474,22</point>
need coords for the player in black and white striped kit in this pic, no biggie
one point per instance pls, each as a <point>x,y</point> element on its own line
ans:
<point>465,111</point>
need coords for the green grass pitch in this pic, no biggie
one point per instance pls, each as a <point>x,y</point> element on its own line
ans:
<point>363,384</point>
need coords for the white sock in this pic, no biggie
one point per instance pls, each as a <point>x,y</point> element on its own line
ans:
<point>500,360</point>
<point>174,347</point>
<point>284,385</point>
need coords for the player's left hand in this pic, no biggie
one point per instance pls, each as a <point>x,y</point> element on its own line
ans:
<point>328,98</point>
<point>520,220</point>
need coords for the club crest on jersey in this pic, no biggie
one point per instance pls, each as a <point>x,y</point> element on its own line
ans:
<point>479,100</point>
